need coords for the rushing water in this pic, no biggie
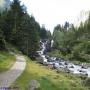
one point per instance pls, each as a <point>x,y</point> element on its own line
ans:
<point>59,63</point>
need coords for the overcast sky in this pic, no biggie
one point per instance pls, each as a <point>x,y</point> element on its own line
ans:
<point>53,12</point>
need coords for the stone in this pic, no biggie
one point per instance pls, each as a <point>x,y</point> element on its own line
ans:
<point>50,66</point>
<point>71,66</point>
<point>34,85</point>
<point>39,60</point>
<point>66,63</point>
<point>67,70</point>
<point>84,66</point>
<point>60,63</point>
<point>60,70</point>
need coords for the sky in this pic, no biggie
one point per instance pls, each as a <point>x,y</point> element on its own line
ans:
<point>4,4</point>
<point>53,12</point>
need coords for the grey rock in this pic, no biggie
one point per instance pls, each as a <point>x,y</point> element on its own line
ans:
<point>71,66</point>
<point>39,60</point>
<point>85,67</point>
<point>34,85</point>
<point>67,70</point>
<point>60,70</point>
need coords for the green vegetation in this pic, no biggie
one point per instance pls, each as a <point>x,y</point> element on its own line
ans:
<point>6,61</point>
<point>87,82</point>
<point>71,42</point>
<point>48,79</point>
<point>19,28</point>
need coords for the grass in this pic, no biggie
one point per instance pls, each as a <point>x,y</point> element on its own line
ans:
<point>48,79</point>
<point>6,61</point>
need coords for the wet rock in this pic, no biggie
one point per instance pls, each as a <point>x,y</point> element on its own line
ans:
<point>47,57</point>
<point>34,85</point>
<point>84,66</point>
<point>67,70</point>
<point>60,63</point>
<point>56,65</point>
<point>45,63</point>
<point>60,70</point>
<point>83,73</point>
<point>66,63</point>
<point>71,66</point>
<point>50,60</point>
<point>81,70</point>
<point>57,59</point>
<point>39,60</point>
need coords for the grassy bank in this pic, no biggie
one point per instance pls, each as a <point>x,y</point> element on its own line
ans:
<point>6,61</point>
<point>48,79</point>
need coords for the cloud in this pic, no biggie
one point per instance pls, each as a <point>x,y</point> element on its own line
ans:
<point>53,12</point>
<point>4,4</point>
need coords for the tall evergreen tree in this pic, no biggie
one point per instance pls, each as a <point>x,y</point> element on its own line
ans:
<point>13,21</point>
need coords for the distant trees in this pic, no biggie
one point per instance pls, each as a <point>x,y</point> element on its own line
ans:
<point>43,33</point>
<point>73,42</point>
<point>66,26</point>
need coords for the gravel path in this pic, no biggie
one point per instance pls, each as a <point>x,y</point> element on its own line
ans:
<point>8,77</point>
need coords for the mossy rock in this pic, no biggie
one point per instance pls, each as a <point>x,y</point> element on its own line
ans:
<point>34,85</point>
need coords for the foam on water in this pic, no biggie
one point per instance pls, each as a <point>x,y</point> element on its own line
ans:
<point>75,69</point>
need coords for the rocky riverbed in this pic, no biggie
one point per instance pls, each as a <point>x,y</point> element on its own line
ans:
<point>62,65</point>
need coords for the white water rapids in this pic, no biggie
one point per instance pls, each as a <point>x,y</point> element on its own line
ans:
<point>59,63</point>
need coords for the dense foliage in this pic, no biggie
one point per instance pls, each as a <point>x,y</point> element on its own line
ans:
<point>20,29</point>
<point>73,43</point>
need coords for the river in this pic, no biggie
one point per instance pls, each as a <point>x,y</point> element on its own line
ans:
<point>59,63</point>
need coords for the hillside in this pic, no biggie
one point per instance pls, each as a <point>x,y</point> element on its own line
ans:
<point>48,79</point>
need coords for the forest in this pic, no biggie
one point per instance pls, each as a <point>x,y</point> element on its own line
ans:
<point>72,43</point>
<point>20,29</point>
<point>23,31</point>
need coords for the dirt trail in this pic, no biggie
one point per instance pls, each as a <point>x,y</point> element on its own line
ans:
<point>8,77</point>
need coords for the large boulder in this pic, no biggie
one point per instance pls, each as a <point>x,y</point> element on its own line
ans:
<point>39,60</point>
<point>34,85</point>
<point>84,66</point>
<point>60,70</point>
<point>66,70</point>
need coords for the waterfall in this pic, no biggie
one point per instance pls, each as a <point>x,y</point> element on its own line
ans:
<point>43,48</point>
<point>52,43</point>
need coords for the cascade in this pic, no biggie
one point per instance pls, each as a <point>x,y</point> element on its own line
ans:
<point>59,63</point>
